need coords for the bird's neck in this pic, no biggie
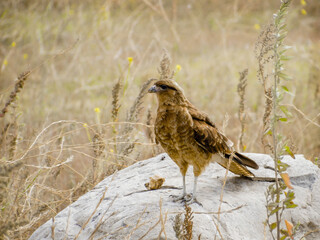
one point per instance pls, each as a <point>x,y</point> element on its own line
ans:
<point>168,102</point>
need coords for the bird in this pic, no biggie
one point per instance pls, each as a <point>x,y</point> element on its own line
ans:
<point>190,138</point>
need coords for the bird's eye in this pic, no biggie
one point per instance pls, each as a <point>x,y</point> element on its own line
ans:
<point>163,87</point>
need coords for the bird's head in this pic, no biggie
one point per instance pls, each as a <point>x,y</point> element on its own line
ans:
<point>168,91</point>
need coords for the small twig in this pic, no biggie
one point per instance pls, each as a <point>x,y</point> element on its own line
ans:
<point>162,221</point>
<point>102,222</point>
<point>150,229</point>
<point>52,228</point>
<point>38,136</point>
<point>304,115</point>
<point>69,159</point>
<point>308,233</point>
<point>218,230</point>
<point>85,224</point>
<point>137,224</point>
<point>67,227</point>
<point>221,194</point>
<point>226,211</point>
<point>148,190</point>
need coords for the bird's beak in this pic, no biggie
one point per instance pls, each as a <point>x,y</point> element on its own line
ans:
<point>153,89</point>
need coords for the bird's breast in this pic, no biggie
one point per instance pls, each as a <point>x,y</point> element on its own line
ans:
<point>173,127</point>
<point>174,131</point>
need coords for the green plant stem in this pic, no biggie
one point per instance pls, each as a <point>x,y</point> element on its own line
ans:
<point>275,156</point>
<point>274,130</point>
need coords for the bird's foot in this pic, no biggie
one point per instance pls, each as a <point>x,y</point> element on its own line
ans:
<point>179,198</point>
<point>193,200</point>
<point>187,199</point>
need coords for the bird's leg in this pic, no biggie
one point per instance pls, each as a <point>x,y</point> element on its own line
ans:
<point>183,169</point>
<point>184,194</point>
<point>195,187</point>
<point>184,186</point>
<point>194,195</point>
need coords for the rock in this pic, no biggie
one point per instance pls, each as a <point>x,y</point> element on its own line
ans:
<point>120,207</point>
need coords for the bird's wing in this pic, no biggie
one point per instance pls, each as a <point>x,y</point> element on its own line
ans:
<point>207,135</point>
<point>209,138</point>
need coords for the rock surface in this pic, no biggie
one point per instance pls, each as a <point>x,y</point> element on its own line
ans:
<point>129,211</point>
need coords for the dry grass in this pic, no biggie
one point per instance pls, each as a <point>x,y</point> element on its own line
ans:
<point>242,115</point>
<point>183,229</point>
<point>67,129</point>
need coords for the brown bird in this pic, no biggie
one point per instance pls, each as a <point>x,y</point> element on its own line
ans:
<point>191,138</point>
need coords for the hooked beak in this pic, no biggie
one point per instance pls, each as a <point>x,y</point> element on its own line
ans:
<point>153,89</point>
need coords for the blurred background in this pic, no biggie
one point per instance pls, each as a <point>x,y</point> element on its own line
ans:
<point>89,62</point>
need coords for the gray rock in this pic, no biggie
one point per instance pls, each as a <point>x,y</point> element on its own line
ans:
<point>129,211</point>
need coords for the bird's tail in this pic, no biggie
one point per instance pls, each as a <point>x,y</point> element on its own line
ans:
<point>237,164</point>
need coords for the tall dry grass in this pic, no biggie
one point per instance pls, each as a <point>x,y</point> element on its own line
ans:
<point>83,113</point>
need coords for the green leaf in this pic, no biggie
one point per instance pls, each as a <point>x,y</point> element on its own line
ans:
<point>284,76</point>
<point>291,205</point>
<point>284,232</point>
<point>282,169</point>
<point>285,58</point>
<point>285,88</point>
<point>281,37</point>
<point>275,210</point>
<point>271,186</point>
<point>290,194</point>
<point>282,52</point>
<point>268,132</point>
<point>289,151</point>
<point>272,205</point>
<point>282,27</point>
<point>282,166</point>
<point>285,48</point>
<point>273,225</point>
<point>285,110</point>
<point>283,119</point>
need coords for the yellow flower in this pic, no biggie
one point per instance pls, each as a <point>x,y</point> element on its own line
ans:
<point>257,26</point>
<point>25,56</point>
<point>178,68</point>
<point>85,125</point>
<point>111,150</point>
<point>130,59</point>
<point>5,62</point>
<point>97,110</point>
<point>13,44</point>
<point>303,2</point>
<point>303,12</point>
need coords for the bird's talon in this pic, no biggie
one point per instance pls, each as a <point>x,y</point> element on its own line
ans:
<point>188,197</point>
<point>178,198</point>
<point>194,200</point>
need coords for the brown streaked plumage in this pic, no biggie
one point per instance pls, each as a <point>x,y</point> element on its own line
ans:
<point>190,137</point>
